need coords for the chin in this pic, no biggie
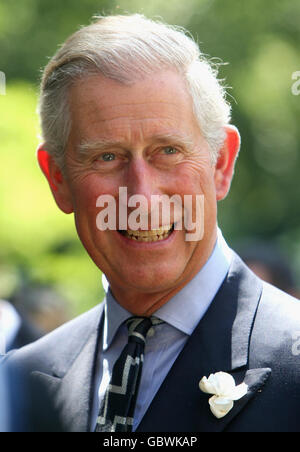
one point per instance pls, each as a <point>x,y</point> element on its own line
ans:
<point>153,281</point>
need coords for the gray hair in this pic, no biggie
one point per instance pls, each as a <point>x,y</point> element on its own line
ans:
<point>127,49</point>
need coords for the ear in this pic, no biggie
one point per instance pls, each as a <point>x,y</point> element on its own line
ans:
<point>57,182</point>
<point>224,168</point>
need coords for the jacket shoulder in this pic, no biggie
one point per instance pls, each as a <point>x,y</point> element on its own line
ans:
<point>276,330</point>
<point>279,307</point>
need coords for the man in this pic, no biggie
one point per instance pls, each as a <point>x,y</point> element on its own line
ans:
<point>130,104</point>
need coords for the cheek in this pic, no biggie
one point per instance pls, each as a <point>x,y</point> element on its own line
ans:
<point>196,177</point>
<point>85,195</point>
<point>87,189</point>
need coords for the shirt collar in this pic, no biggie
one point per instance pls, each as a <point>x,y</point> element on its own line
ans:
<point>114,316</point>
<point>188,306</point>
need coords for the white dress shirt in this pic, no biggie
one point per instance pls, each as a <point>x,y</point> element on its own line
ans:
<point>181,314</point>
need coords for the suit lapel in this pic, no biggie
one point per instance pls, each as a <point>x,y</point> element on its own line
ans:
<point>219,343</point>
<point>72,394</point>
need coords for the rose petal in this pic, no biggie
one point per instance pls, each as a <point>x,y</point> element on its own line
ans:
<point>239,391</point>
<point>224,383</point>
<point>220,406</point>
<point>207,385</point>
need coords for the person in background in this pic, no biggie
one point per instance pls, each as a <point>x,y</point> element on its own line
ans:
<point>30,312</point>
<point>268,261</point>
<point>42,305</point>
<point>15,328</point>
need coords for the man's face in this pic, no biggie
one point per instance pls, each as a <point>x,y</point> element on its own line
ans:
<point>143,137</point>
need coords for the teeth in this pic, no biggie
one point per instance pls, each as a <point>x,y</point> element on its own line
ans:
<point>149,236</point>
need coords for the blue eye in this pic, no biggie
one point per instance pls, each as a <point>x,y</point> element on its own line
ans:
<point>170,150</point>
<point>108,157</point>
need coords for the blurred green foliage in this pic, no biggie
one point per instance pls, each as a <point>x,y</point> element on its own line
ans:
<point>260,42</point>
<point>38,242</point>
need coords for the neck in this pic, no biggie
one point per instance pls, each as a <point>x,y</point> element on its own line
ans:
<point>145,304</point>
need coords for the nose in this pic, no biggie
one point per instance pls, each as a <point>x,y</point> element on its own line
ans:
<point>142,181</point>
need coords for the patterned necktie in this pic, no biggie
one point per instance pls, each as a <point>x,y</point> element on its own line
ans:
<point>117,410</point>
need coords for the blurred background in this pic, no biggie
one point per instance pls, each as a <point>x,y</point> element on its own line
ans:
<point>44,269</point>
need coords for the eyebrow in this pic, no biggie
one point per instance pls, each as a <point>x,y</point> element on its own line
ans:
<point>184,140</point>
<point>98,145</point>
<point>104,144</point>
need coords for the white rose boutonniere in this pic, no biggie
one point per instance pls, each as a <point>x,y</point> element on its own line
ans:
<point>225,391</point>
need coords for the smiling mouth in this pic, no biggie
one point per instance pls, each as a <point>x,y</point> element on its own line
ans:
<point>154,235</point>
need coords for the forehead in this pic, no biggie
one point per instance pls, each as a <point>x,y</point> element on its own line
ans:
<point>103,107</point>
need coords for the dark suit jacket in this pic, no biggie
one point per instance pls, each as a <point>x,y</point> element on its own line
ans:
<point>248,331</point>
